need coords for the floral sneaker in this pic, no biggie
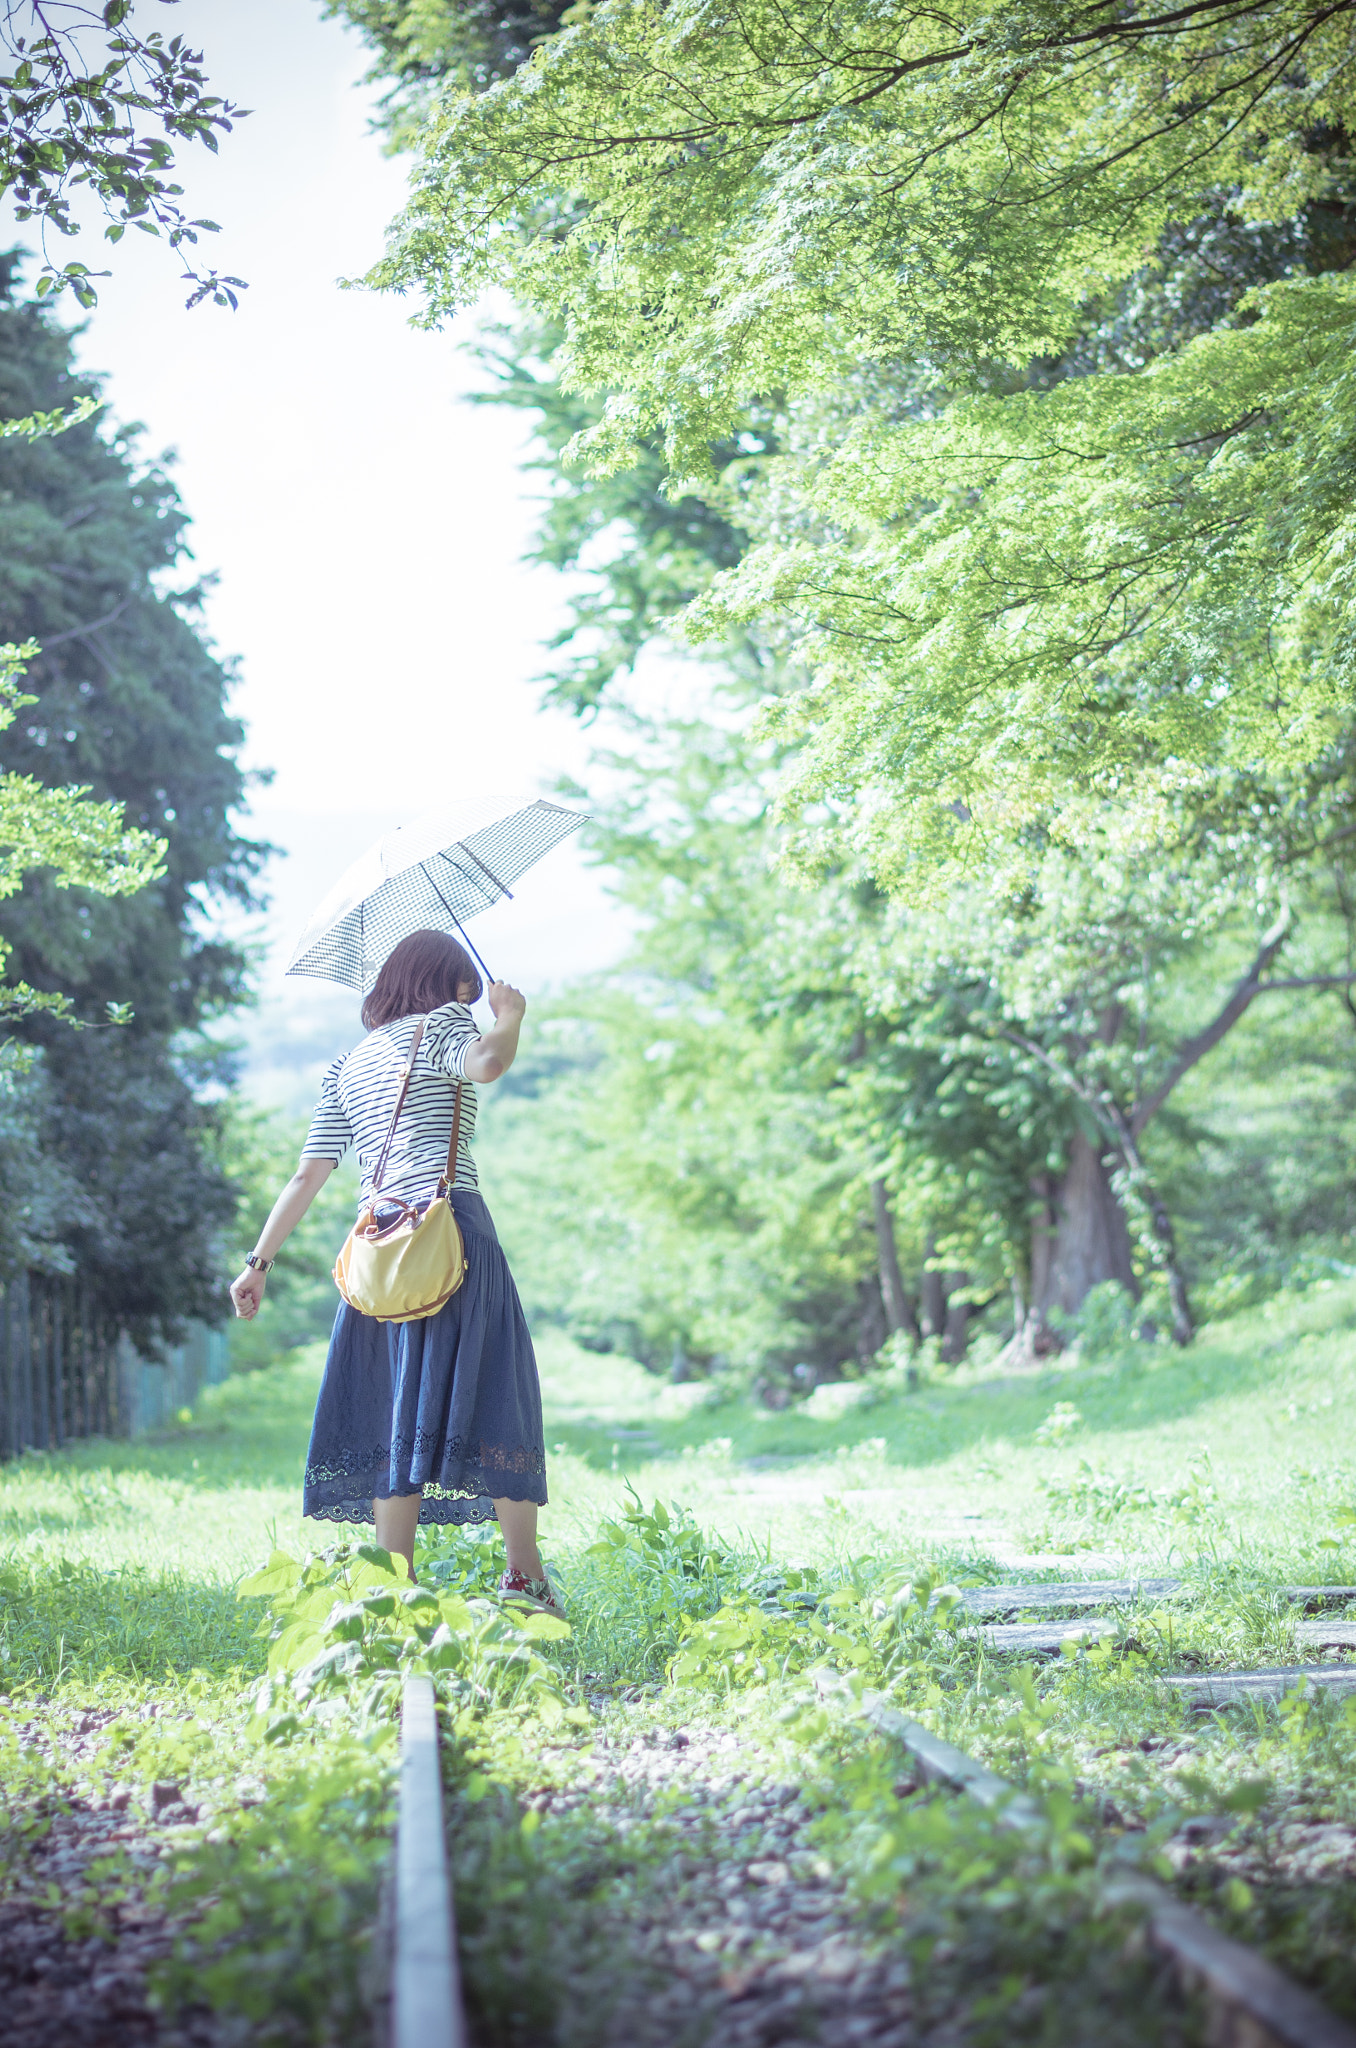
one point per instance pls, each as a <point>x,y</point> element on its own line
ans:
<point>519,1591</point>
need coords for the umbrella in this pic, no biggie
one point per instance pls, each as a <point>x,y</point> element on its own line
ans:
<point>431,874</point>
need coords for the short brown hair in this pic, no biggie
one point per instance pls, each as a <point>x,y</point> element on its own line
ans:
<point>424,971</point>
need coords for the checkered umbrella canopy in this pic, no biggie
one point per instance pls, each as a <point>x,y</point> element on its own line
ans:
<point>430,875</point>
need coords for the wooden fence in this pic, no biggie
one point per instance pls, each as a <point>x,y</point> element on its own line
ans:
<point>67,1372</point>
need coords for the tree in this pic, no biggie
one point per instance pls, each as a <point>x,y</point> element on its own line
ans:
<point>421,46</point>
<point>637,553</point>
<point>125,722</point>
<point>1046,340</point>
<point>1067,950</point>
<point>1005,595</point>
<point>90,102</point>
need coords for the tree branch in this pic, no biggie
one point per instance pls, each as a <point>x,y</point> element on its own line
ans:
<point>83,632</point>
<point>1308,981</point>
<point>1193,1049</point>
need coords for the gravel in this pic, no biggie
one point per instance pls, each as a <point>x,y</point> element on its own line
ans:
<point>743,1936</point>
<point>60,1987</point>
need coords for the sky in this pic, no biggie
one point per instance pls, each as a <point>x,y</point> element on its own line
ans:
<point>364,521</point>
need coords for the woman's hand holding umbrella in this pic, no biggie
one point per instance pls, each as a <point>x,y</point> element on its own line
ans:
<point>495,1053</point>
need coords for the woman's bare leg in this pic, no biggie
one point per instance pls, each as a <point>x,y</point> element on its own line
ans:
<point>396,1522</point>
<point>518,1520</point>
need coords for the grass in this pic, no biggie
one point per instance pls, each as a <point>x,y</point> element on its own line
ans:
<point>1229,1464</point>
<point>198,1501</point>
<point>1240,1448</point>
<point>1261,1410</point>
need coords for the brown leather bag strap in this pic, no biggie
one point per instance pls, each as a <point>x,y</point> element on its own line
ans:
<point>449,1179</point>
<point>400,1104</point>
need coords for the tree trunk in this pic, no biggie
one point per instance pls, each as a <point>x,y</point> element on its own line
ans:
<point>932,1292</point>
<point>1079,1238</point>
<point>956,1329</point>
<point>899,1310</point>
<point>1165,1238</point>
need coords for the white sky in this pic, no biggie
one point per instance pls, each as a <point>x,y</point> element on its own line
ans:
<point>365,521</point>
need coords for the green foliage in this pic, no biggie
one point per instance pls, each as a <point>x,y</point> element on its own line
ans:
<point>281,1908</point>
<point>108,121</point>
<point>276,1886</point>
<point>636,550</point>
<point>778,1048</point>
<point>82,842</point>
<point>122,779</point>
<point>1099,1497</point>
<point>1094,599</point>
<point>423,45</point>
<point>778,175</point>
<point>69,1624</point>
<point>1105,1322</point>
<point>990,427</point>
<point>350,1627</point>
<point>800,1629</point>
<point>636,1588</point>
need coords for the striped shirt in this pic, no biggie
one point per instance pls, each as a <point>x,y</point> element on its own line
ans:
<point>359,1092</point>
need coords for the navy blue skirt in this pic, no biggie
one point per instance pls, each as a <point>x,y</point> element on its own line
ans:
<point>451,1404</point>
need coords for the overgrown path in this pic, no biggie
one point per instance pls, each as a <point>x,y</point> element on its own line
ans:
<point>675,1823</point>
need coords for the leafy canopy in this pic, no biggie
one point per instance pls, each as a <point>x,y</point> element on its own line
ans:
<point>121,781</point>
<point>87,100</point>
<point>1024,574</point>
<point>718,198</point>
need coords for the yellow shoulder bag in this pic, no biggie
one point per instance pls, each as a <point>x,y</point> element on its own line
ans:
<point>408,1266</point>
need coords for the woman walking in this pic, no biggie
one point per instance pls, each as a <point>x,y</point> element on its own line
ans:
<point>435,1420</point>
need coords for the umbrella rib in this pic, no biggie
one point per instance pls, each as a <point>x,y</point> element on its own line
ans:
<point>480,864</point>
<point>423,869</point>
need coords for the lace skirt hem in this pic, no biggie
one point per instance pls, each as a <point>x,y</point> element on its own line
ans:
<point>436,1508</point>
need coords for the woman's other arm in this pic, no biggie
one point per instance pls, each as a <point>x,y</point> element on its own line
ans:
<point>493,1054</point>
<point>296,1198</point>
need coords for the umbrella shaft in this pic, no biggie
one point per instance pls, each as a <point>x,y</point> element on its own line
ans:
<point>455,919</point>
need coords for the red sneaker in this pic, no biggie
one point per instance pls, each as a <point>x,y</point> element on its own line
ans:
<point>517,1590</point>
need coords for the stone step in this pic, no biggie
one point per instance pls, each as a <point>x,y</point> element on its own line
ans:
<point>1047,1638</point>
<point>1326,1635</point>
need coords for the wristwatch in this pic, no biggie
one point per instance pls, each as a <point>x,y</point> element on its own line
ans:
<point>260,1265</point>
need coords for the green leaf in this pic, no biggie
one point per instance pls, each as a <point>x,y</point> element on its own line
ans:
<point>279,1575</point>
<point>545,1628</point>
<point>1249,1796</point>
<point>294,1647</point>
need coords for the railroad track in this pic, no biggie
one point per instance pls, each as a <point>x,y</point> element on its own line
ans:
<point>1251,2003</point>
<point>426,2001</point>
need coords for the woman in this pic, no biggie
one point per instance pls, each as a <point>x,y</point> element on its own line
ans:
<point>437,1420</point>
